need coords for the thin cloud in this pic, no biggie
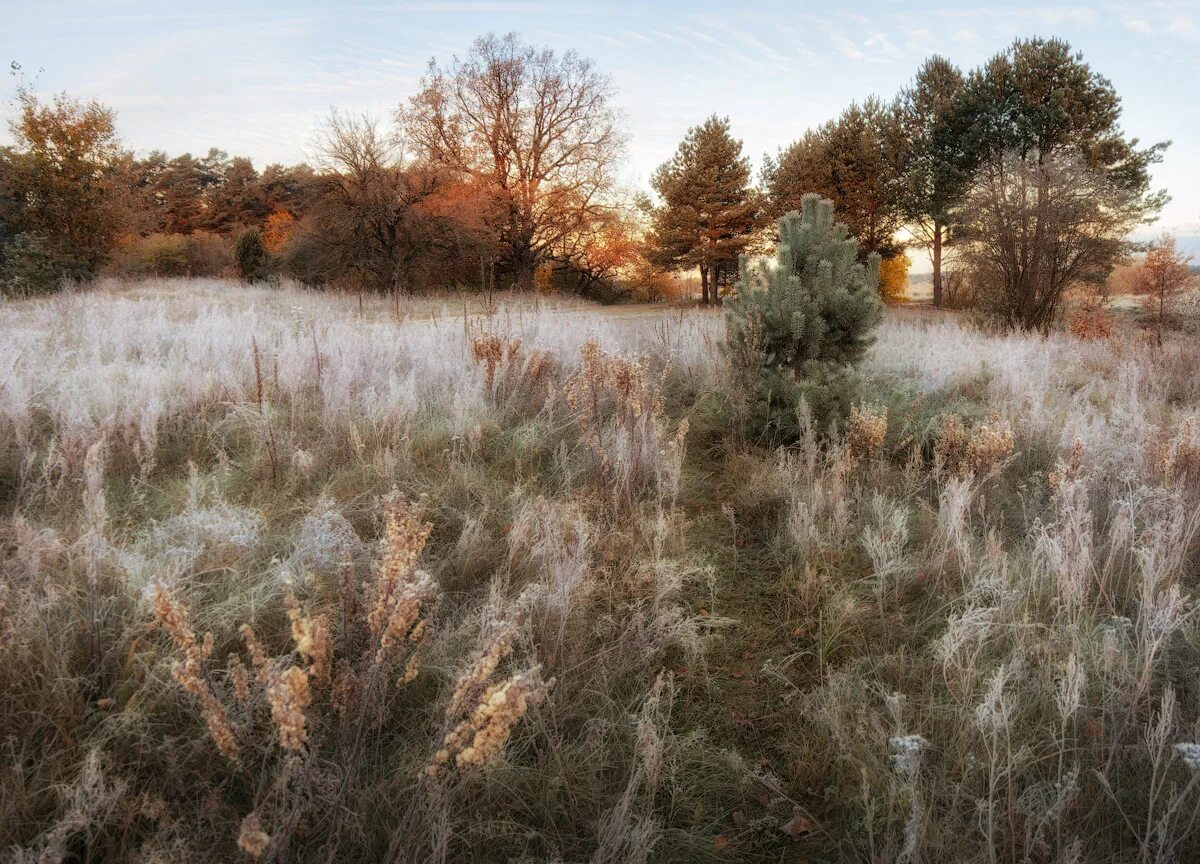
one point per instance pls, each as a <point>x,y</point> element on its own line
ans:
<point>1182,27</point>
<point>881,49</point>
<point>610,40</point>
<point>847,47</point>
<point>670,37</point>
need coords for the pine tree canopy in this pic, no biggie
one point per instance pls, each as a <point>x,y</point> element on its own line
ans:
<point>709,212</point>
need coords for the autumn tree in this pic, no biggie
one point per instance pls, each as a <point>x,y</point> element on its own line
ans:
<point>857,162</point>
<point>383,224</point>
<point>939,161</point>
<point>63,185</point>
<point>601,255</point>
<point>1165,274</point>
<point>536,128</point>
<point>709,211</point>
<point>893,278</point>
<point>278,230</point>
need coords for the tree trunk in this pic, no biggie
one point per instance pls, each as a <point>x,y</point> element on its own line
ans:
<point>704,283</point>
<point>1162,318</point>
<point>525,273</point>
<point>937,264</point>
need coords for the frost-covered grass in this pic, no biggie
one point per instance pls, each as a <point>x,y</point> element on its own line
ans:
<point>962,629</point>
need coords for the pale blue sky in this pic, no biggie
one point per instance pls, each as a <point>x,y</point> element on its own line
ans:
<point>256,78</point>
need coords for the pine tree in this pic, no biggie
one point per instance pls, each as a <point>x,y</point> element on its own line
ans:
<point>940,161</point>
<point>1040,99</point>
<point>251,256</point>
<point>796,328</point>
<point>709,213</point>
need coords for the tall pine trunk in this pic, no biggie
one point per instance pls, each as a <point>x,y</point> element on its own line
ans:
<point>937,263</point>
<point>704,283</point>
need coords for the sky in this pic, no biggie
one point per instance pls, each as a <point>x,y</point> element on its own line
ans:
<point>256,79</point>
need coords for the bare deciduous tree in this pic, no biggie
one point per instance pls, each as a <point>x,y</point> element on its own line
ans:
<point>1035,227</point>
<point>388,225</point>
<point>536,127</point>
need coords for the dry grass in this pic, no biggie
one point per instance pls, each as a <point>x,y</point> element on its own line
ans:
<point>506,587</point>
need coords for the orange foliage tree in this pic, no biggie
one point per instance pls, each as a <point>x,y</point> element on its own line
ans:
<point>1164,275</point>
<point>278,230</point>
<point>893,278</point>
<point>610,259</point>
<point>63,184</point>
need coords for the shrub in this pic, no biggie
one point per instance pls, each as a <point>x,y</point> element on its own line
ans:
<point>197,254</point>
<point>163,255</point>
<point>251,256</point>
<point>960,292</point>
<point>29,267</point>
<point>893,278</point>
<point>1087,323</point>
<point>796,328</point>
<point>209,254</point>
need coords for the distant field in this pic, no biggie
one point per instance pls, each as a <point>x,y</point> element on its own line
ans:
<point>289,575</point>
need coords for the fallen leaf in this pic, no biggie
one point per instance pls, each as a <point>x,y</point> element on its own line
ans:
<point>720,842</point>
<point>797,826</point>
<point>739,818</point>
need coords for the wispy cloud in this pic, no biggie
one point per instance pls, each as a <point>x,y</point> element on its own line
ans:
<point>881,49</point>
<point>610,40</point>
<point>670,37</point>
<point>1182,26</point>
<point>847,47</point>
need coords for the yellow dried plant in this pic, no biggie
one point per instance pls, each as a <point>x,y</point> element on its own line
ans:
<point>251,838</point>
<point>172,616</point>
<point>866,431</point>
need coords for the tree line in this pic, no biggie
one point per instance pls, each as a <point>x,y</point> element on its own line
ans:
<point>1019,168</point>
<point>500,171</point>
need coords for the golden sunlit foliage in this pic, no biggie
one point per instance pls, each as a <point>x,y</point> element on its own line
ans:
<point>278,230</point>
<point>893,278</point>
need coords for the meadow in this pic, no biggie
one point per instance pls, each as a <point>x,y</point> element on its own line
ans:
<point>299,576</point>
